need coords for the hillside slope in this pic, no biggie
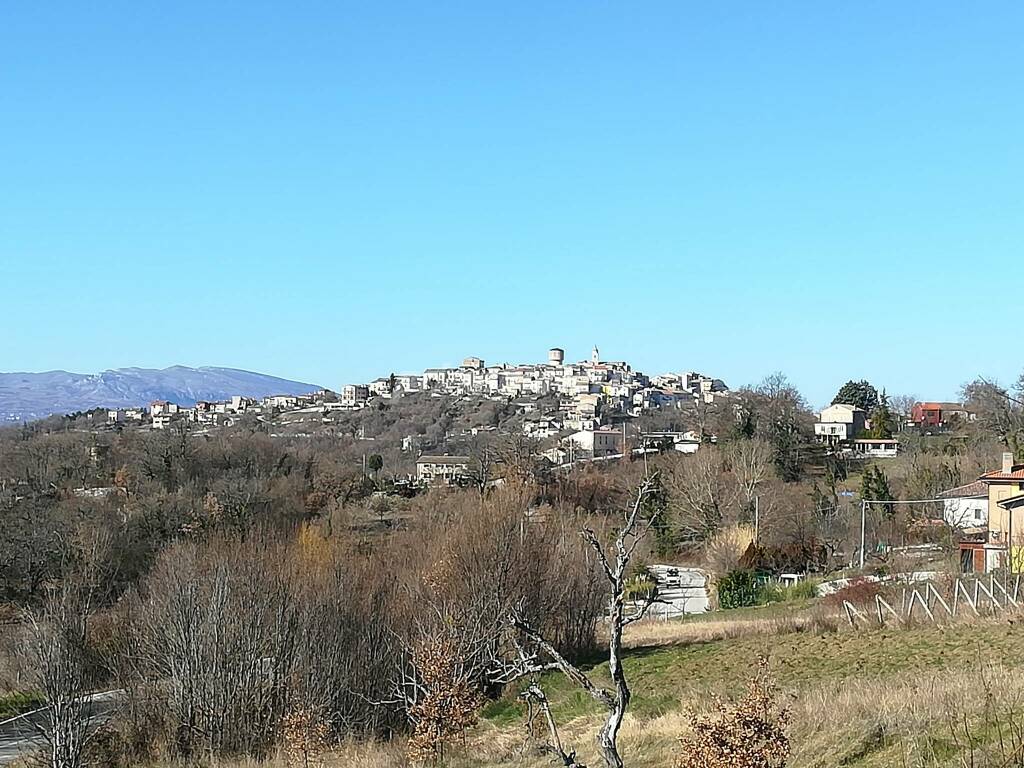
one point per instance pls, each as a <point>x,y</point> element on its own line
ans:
<point>27,396</point>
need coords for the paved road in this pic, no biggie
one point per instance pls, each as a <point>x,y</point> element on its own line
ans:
<point>20,735</point>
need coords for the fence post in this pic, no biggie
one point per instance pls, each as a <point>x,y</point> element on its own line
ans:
<point>881,603</point>
<point>962,590</point>
<point>995,603</point>
<point>938,598</point>
<point>917,595</point>
<point>1006,595</point>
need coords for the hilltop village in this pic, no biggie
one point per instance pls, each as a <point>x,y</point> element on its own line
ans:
<point>581,411</point>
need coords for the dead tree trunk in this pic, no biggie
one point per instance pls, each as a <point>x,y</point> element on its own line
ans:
<point>615,564</point>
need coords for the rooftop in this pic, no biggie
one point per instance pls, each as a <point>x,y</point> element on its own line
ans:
<point>1016,473</point>
<point>977,488</point>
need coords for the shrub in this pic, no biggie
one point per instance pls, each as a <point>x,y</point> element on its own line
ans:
<point>749,734</point>
<point>802,590</point>
<point>739,589</point>
<point>859,592</point>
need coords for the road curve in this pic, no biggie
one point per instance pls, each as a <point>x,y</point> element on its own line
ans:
<point>21,735</point>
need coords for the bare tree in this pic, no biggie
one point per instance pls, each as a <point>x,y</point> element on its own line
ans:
<point>999,411</point>
<point>531,646</point>
<point>702,494</point>
<point>902,406</point>
<point>57,651</point>
<point>751,462</point>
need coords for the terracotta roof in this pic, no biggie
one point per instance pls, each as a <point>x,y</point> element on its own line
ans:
<point>977,488</point>
<point>1016,473</point>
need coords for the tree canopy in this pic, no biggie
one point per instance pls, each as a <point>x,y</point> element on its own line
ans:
<point>860,393</point>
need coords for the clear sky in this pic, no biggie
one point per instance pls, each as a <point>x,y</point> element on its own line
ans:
<point>333,191</point>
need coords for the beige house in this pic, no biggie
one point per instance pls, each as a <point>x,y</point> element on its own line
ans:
<point>1006,501</point>
<point>1005,492</point>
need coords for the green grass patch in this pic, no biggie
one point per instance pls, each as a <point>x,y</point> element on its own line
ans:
<point>663,678</point>
<point>14,704</point>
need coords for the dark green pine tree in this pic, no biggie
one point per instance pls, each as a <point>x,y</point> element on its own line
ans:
<point>874,486</point>
<point>883,423</point>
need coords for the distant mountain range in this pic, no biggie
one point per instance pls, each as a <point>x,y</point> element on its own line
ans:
<point>28,396</point>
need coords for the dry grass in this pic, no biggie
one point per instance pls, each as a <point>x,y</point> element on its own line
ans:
<point>658,633</point>
<point>914,697</point>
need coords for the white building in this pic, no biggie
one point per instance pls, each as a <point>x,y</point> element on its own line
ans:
<point>240,404</point>
<point>441,470</point>
<point>840,423</point>
<point>380,387</point>
<point>872,448</point>
<point>281,401</point>
<point>353,395</point>
<point>598,442</point>
<point>409,382</point>
<point>162,420</point>
<point>966,506</point>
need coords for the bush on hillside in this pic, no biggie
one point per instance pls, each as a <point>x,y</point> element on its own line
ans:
<point>802,590</point>
<point>859,592</point>
<point>739,589</point>
<point>748,734</point>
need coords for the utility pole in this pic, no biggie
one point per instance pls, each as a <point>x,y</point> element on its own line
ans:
<point>757,517</point>
<point>863,516</point>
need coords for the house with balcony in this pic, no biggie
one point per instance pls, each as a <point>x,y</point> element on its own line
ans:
<point>840,423</point>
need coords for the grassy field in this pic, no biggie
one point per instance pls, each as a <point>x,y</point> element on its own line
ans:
<point>858,697</point>
<point>918,697</point>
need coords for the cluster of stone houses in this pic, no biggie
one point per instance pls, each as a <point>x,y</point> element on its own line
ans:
<point>590,384</point>
<point>163,413</point>
<point>592,397</point>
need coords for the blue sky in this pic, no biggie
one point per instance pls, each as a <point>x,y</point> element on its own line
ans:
<point>332,191</point>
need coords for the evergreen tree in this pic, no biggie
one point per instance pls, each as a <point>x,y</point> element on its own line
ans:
<point>882,420</point>
<point>875,486</point>
<point>655,508</point>
<point>859,393</point>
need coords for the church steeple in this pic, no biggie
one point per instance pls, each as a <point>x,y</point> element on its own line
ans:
<point>595,356</point>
